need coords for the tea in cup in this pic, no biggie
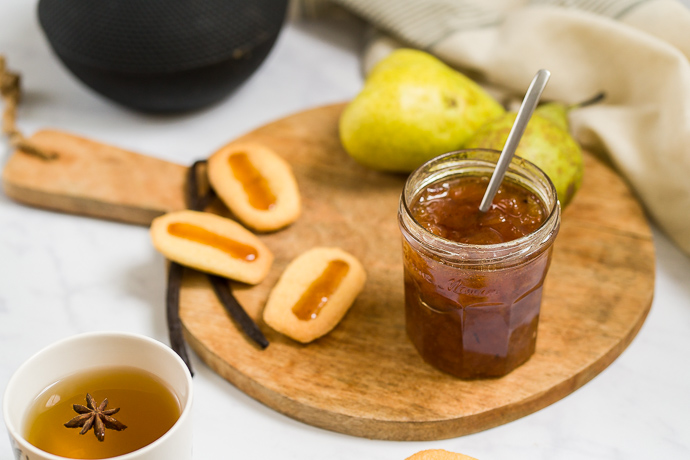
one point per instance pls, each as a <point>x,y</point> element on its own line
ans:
<point>101,395</point>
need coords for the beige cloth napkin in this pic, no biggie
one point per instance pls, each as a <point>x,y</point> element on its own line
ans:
<point>636,51</point>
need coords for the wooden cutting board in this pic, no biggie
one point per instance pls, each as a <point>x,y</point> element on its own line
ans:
<point>365,378</point>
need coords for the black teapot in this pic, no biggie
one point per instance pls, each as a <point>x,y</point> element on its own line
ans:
<point>162,55</point>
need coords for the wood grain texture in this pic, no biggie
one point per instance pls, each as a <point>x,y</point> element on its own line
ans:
<point>94,179</point>
<point>365,377</point>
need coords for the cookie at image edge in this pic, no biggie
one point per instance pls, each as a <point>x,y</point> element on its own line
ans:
<point>439,454</point>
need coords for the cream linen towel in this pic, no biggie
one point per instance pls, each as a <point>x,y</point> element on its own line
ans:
<point>636,51</point>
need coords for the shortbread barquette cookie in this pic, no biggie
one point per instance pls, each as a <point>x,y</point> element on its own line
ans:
<point>439,454</point>
<point>314,293</point>
<point>256,184</point>
<point>212,244</point>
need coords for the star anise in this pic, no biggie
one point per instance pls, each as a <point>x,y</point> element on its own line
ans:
<point>95,416</point>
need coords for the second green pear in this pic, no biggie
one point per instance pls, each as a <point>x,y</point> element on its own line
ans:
<point>412,108</point>
<point>546,142</point>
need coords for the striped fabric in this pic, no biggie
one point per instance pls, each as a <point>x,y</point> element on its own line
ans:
<point>422,23</point>
<point>610,8</point>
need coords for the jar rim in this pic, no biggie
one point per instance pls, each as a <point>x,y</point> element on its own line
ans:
<point>496,252</point>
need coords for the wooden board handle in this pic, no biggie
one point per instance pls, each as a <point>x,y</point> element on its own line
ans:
<point>94,179</point>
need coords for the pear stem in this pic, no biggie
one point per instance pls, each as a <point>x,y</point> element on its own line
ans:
<point>591,101</point>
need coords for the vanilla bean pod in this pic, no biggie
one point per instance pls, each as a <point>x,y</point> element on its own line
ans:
<point>198,198</point>
<point>172,302</point>
<point>233,307</point>
<point>175,271</point>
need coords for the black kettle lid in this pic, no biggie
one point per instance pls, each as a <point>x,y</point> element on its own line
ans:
<point>158,36</point>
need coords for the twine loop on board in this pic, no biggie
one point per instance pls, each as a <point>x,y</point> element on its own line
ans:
<point>10,89</point>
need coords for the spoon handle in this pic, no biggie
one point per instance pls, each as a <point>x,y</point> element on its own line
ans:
<point>529,103</point>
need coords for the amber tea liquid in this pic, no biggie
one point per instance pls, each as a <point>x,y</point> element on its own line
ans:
<point>147,407</point>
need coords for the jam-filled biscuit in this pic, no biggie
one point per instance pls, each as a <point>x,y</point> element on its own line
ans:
<point>439,454</point>
<point>212,244</point>
<point>314,293</point>
<point>256,184</point>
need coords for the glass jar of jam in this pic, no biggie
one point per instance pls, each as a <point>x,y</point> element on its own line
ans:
<point>473,280</point>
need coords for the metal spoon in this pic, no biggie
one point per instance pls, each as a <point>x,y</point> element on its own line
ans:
<point>524,114</point>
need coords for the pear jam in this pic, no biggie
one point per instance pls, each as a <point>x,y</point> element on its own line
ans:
<point>101,413</point>
<point>473,280</point>
<point>450,209</point>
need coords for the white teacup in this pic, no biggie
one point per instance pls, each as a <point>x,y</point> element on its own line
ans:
<point>97,349</point>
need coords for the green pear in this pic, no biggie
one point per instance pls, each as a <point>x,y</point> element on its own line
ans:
<point>412,108</point>
<point>555,112</point>
<point>546,142</point>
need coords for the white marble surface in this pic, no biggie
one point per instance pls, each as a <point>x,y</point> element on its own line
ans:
<point>61,275</point>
